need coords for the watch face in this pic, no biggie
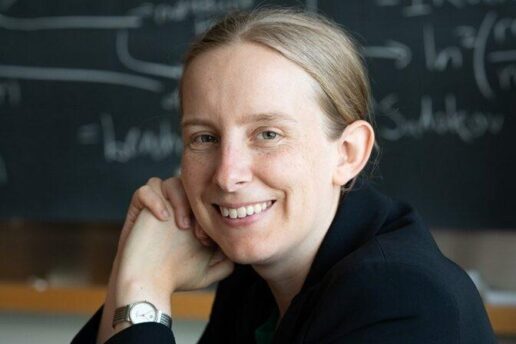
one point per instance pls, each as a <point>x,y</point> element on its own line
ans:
<point>142,312</point>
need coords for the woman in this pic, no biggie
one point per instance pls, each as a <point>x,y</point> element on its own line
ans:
<point>275,107</point>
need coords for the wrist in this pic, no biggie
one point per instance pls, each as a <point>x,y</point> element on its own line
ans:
<point>135,291</point>
<point>138,313</point>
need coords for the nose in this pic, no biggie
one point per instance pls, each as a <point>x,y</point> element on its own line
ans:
<point>233,170</point>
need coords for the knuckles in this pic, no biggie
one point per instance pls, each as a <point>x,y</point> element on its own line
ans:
<point>142,191</point>
<point>147,196</point>
<point>154,181</point>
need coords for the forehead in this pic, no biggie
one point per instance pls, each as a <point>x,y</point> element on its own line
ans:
<point>245,78</point>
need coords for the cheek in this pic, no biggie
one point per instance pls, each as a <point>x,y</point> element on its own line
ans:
<point>195,173</point>
<point>291,173</point>
<point>307,177</point>
<point>280,168</point>
<point>196,163</point>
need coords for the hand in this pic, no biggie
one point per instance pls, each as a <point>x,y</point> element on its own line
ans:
<point>158,256</point>
<point>156,259</point>
<point>207,266</point>
<point>164,198</point>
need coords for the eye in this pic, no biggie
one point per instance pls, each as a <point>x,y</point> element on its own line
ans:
<point>204,138</point>
<point>203,141</point>
<point>268,135</point>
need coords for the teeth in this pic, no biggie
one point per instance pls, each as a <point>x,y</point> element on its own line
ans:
<point>242,212</point>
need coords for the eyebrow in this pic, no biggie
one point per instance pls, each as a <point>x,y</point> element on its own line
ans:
<point>251,118</point>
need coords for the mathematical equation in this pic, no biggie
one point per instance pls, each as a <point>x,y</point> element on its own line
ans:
<point>449,120</point>
<point>501,29</point>
<point>89,98</point>
<point>146,75</point>
<point>157,145</point>
<point>488,44</point>
<point>485,50</point>
<point>470,40</point>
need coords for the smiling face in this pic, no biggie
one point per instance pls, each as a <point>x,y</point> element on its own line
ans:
<point>257,166</point>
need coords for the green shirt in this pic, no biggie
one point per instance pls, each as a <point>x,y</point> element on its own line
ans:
<point>265,332</point>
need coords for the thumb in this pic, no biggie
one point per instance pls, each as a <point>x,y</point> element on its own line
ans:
<point>217,257</point>
<point>219,268</point>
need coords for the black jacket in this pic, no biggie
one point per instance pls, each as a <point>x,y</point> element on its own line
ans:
<point>378,277</point>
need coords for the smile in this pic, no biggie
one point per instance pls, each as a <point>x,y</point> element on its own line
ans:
<point>243,212</point>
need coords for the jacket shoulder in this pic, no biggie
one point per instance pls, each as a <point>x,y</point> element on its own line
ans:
<point>371,296</point>
<point>378,300</point>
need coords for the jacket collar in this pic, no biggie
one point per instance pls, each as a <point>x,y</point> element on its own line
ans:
<point>360,215</point>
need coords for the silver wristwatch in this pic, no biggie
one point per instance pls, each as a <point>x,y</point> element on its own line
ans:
<point>141,312</point>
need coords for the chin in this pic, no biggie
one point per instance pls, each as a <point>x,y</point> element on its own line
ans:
<point>247,254</point>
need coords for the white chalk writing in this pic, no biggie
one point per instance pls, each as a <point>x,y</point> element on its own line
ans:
<point>80,75</point>
<point>474,41</point>
<point>399,52</point>
<point>479,67</point>
<point>170,101</point>
<point>163,13</point>
<point>503,56</point>
<point>413,8</point>
<point>10,92</point>
<point>157,69</point>
<point>507,77</point>
<point>439,60</point>
<point>71,22</point>
<point>503,28</point>
<point>138,142</point>
<point>88,134</point>
<point>467,125</point>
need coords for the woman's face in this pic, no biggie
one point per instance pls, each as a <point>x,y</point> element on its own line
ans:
<point>257,166</point>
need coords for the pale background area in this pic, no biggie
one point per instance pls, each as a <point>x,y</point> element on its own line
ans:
<point>54,329</point>
<point>492,253</point>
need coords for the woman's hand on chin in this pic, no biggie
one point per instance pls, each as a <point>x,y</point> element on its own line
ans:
<point>159,257</point>
<point>150,236</point>
<point>161,250</point>
<point>164,199</point>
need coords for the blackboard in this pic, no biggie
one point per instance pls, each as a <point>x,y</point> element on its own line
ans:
<point>89,102</point>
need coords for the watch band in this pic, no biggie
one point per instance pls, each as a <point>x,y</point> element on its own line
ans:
<point>122,314</point>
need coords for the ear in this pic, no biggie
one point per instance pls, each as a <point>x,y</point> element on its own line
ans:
<point>354,149</point>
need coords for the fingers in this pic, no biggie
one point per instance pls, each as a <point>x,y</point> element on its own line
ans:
<point>173,190</point>
<point>149,196</point>
<point>217,257</point>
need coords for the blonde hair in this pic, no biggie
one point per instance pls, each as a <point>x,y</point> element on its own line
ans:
<point>319,46</point>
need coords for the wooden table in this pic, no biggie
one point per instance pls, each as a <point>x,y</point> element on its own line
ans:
<point>186,305</point>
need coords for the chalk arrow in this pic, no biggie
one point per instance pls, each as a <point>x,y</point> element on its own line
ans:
<point>399,52</point>
<point>158,69</point>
